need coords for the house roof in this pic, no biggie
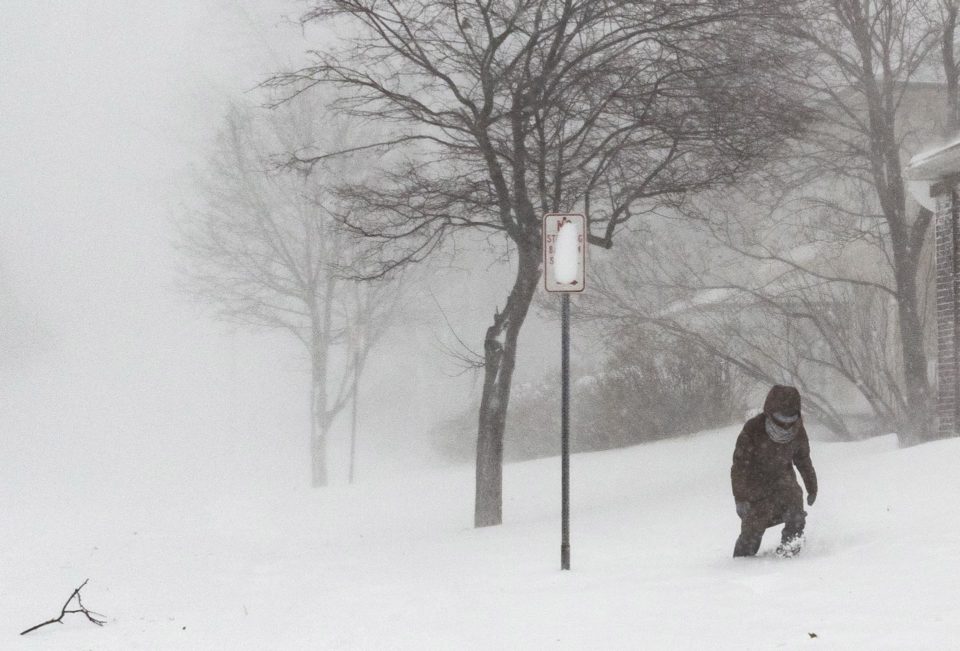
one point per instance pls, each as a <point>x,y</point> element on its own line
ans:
<point>936,162</point>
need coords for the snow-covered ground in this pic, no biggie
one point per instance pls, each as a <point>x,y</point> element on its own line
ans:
<point>396,564</point>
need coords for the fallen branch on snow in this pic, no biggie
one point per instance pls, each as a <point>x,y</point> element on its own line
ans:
<point>64,612</point>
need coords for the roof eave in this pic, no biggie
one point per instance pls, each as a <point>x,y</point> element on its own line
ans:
<point>935,164</point>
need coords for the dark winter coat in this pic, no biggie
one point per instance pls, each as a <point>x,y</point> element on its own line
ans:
<point>763,468</point>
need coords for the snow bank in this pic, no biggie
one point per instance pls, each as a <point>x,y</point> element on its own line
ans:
<point>398,565</point>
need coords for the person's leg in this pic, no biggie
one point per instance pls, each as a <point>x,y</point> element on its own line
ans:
<point>748,542</point>
<point>794,517</point>
<point>752,527</point>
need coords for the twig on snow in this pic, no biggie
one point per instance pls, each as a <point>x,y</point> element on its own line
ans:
<point>64,612</point>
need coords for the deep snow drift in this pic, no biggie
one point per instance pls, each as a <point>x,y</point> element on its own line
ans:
<point>396,564</point>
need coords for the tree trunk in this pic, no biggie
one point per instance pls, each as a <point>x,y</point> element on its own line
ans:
<point>916,422</point>
<point>321,318</point>
<point>500,351</point>
<point>906,243</point>
<point>353,411</point>
<point>318,429</point>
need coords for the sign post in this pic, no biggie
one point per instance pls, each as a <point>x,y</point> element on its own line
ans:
<point>564,265</point>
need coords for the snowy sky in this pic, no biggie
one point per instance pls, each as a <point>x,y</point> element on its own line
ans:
<point>108,110</point>
<point>113,103</point>
<point>107,106</point>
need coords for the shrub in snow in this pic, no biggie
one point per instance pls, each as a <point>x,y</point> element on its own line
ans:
<point>647,389</point>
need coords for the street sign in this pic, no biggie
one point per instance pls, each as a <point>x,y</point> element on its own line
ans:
<point>564,252</point>
<point>564,269</point>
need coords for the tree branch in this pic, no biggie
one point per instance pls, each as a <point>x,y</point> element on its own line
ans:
<point>89,614</point>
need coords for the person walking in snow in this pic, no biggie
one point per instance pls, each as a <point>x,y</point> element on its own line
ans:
<point>765,488</point>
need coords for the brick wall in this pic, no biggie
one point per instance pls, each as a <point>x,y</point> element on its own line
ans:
<point>948,356</point>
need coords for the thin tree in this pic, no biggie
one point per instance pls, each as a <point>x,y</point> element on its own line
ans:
<point>517,109</point>
<point>870,51</point>
<point>841,195</point>
<point>950,62</point>
<point>265,252</point>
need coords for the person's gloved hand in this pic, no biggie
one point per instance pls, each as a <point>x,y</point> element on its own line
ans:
<point>811,498</point>
<point>742,509</point>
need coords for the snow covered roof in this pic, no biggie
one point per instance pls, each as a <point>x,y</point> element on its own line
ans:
<point>936,162</point>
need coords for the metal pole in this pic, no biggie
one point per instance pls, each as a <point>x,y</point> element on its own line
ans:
<point>565,432</point>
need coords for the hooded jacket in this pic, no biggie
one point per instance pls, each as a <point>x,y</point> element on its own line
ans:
<point>762,466</point>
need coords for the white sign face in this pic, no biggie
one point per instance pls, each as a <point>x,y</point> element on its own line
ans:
<point>564,252</point>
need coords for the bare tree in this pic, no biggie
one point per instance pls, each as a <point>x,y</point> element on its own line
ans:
<point>267,253</point>
<point>839,201</point>
<point>518,109</point>
<point>769,298</point>
<point>870,52</point>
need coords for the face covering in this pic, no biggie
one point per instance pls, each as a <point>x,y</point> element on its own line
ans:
<point>784,430</point>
